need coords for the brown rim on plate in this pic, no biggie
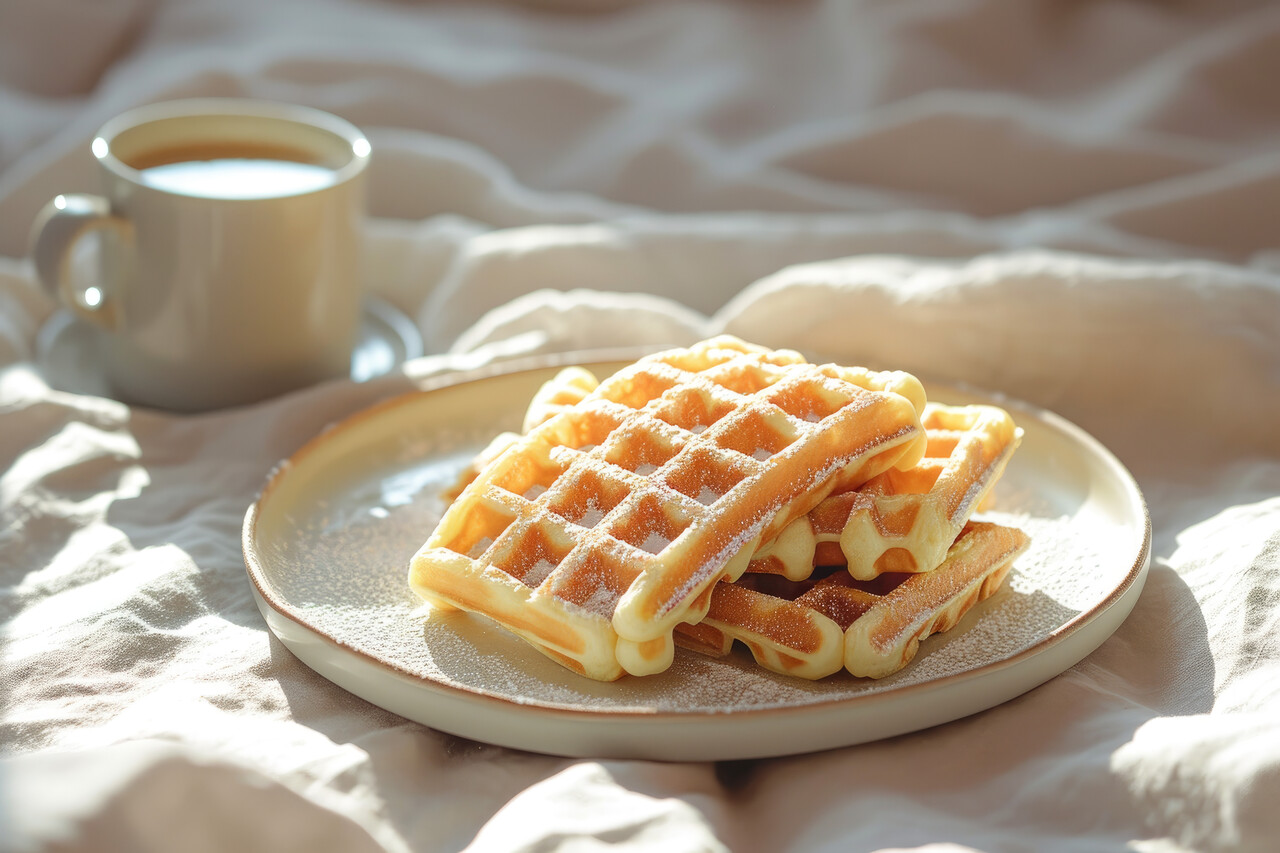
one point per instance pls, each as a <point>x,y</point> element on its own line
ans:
<point>270,598</point>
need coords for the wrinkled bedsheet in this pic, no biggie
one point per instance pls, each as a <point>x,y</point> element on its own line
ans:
<point>1074,204</point>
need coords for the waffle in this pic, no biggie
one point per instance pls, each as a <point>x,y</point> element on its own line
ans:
<point>903,520</point>
<point>562,391</point>
<point>558,393</point>
<point>813,628</point>
<point>597,532</point>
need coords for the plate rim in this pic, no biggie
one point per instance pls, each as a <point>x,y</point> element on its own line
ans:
<point>1131,584</point>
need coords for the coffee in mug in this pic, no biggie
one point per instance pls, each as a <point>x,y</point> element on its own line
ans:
<point>230,269</point>
<point>233,171</point>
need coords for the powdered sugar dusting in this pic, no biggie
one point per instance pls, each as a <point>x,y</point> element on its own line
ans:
<point>654,543</point>
<point>538,572</point>
<point>601,602</point>
<point>592,515</point>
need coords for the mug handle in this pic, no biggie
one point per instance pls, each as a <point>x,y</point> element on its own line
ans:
<point>58,227</point>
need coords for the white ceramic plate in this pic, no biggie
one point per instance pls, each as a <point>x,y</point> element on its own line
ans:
<point>328,542</point>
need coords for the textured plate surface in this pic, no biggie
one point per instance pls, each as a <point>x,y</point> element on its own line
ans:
<point>328,542</point>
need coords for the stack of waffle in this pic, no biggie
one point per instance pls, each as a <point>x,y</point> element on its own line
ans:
<point>819,514</point>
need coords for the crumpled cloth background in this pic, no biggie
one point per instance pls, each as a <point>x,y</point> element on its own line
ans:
<point>1072,203</point>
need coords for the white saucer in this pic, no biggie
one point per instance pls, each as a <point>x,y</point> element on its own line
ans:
<point>68,355</point>
<point>387,338</point>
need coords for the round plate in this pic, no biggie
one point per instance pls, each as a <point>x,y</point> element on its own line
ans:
<point>327,546</point>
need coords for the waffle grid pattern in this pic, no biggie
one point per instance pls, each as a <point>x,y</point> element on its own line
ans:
<point>903,520</point>
<point>605,526</point>
<point>814,628</point>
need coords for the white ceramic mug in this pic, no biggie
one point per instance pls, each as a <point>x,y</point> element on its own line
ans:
<point>228,262</point>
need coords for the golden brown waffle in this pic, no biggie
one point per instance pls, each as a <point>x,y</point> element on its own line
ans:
<point>871,628</point>
<point>601,529</point>
<point>903,520</point>
<point>558,393</point>
<point>566,389</point>
<point>491,451</point>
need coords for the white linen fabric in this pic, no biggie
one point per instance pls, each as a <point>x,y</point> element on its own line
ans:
<point>1072,203</point>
